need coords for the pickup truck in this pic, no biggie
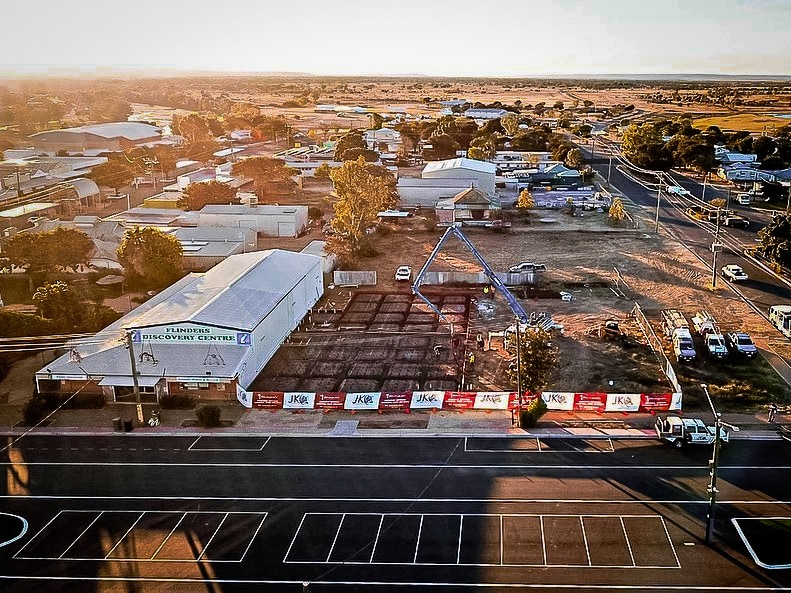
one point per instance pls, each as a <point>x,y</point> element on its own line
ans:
<point>708,330</point>
<point>733,273</point>
<point>678,431</point>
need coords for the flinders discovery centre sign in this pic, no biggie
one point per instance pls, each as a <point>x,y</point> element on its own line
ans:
<point>189,333</point>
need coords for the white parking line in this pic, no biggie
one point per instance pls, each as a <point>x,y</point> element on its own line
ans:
<point>749,547</point>
<point>192,448</point>
<point>585,540</point>
<point>628,543</point>
<point>458,548</point>
<point>164,541</point>
<point>376,541</point>
<point>123,537</point>
<point>95,519</point>
<point>417,542</point>
<point>208,543</point>
<point>335,539</point>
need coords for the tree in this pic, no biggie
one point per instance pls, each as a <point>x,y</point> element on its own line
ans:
<point>48,251</point>
<point>776,240</point>
<point>510,123</point>
<point>198,195</point>
<point>526,200</point>
<point>643,145</point>
<point>574,158</point>
<point>151,258</point>
<point>370,156</point>
<point>166,157</point>
<point>442,147</point>
<point>763,147</point>
<point>322,171</point>
<point>538,357</point>
<point>57,302</point>
<point>583,130</point>
<point>534,139</point>
<point>353,139</point>
<point>112,174</point>
<point>482,148</point>
<point>265,172</point>
<point>192,127</point>
<point>363,191</point>
<point>616,213</point>
<point>693,152</point>
<point>376,121</point>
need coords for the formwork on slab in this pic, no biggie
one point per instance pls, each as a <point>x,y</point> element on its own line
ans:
<point>376,342</point>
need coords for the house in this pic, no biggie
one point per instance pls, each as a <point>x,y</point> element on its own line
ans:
<point>418,192</point>
<point>511,160</point>
<point>383,140</point>
<point>204,336</point>
<point>463,168</point>
<point>205,247</point>
<point>485,114</point>
<point>469,205</point>
<point>270,221</point>
<point>96,139</point>
<point>556,174</point>
<point>729,157</point>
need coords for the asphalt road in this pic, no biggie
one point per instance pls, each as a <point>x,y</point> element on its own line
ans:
<point>762,288</point>
<point>225,513</point>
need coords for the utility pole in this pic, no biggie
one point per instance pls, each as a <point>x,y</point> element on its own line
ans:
<point>135,386</point>
<point>518,374</point>
<point>18,185</point>
<point>658,197</point>
<point>715,246</point>
<point>713,465</point>
<point>609,170</point>
<point>703,197</point>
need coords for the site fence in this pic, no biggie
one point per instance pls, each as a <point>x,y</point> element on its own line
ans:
<point>656,346</point>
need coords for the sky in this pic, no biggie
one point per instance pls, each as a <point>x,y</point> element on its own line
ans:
<point>402,37</point>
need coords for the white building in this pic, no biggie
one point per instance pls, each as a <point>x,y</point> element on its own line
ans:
<point>485,114</point>
<point>271,221</point>
<point>204,336</point>
<point>462,168</point>
<point>415,191</point>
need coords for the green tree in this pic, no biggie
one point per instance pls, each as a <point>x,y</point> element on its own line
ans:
<point>48,251</point>
<point>583,130</point>
<point>192,127</point>
<point>510,123</point>
<point>534,139</point>
<point>643,145</point>
<point>323,171</point>
<point>539,359</point>
<point>442,147</point>
<point>58,302</point>
<point>353,139</point>
<point>151,258</point>
<point>693,152</point>
<point>482,148</point>
<point>775,240</point>
<point>267,173</point>
<point>574,158</point>
<point>363,191</point>
<point>370,156</point>
<point>198,195</point>
<point>763,147</point>
<point>112,174</point>
<point>526,200</point>
<point>376,121</point>
<point>165,158</point>
<point>617,212</point>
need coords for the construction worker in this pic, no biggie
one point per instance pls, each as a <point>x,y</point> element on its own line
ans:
<point>471,359</point>
<point>772,412</point>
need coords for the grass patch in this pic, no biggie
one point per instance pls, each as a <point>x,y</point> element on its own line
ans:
<point>752,122</point>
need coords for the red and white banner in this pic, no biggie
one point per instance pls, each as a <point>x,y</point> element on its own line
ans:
<point>459,400</point>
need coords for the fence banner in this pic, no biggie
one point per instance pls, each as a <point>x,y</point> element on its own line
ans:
<point>362,401</point>
<point>675,403</point>
<point>245,397</point>
<point>491,400</point>
<point>623,402</point>
<point>299,400</point>
<point>460,400</point>
<point>427,400</point>
<point>395,401</point>
<point>330,401</point>
<point>558,400</point>
<point>590,402</point>
<point>655,402</point>
<point>268,400</point>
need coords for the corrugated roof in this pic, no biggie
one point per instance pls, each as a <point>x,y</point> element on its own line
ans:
<point>236,293</point>
<point>460,163</point>
<point>434,182</point>
<point>85,187</point>
<point>130,130</point>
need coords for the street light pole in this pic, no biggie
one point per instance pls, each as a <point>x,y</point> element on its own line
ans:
<point>135,385</point>
<point>713,464</point>
<point>518,374</point>
<point>703,197</point>
<point>658,197</point>
<point>714,248</point>
<point>609,170</point>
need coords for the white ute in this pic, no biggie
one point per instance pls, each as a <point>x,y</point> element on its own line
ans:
<point>679,431</point>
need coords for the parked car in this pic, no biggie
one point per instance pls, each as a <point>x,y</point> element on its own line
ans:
<point>527,266</point>
<point>734,273</point>
<point>744,199</point>
<point>403,274</point>
<point>741,343</point>
<point>736,221</point>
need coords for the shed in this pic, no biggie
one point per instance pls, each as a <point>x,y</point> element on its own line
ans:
<point>271,221</point>
<point>463,168</point>
<point>468,205</point>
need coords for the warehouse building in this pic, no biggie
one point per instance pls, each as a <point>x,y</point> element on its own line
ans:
<point>269,221</point>
<point>462,168</point>
<point>205,336</point>
<point>96,139</point>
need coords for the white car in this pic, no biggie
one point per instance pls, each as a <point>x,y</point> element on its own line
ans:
<point>527,266</point>
<point>733,273</point>
<point>403,274</point>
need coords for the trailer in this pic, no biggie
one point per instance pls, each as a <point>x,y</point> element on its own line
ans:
<point>676,327</point>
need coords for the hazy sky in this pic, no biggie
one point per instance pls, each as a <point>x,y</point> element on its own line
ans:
<point>433,37</point>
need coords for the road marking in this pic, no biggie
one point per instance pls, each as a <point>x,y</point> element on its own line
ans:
<point>458,548</point>
<point>628,543</point>
<point>193,448</point>
<point>95,519</point>
<point>123,537</point>
<point>585,541</point>
<point>543,539</point>
<point>208,543</point>
<point>749,547</point>
<point>335,539</point>
<point>417,541</point>
<point>304,516</point>
<point>20,534</point>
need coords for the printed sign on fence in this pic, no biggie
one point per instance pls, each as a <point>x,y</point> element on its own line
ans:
<point>655,401</point>
<point>590,402</point>
<point>268,400</point>
<point>395,401</point>
<point>299,400</point>
<point>491,400</point>
<point>330,401</point>
<point>460,400</point>
<point>362,401</point>
<point>623,402</point>
<point>427,400</point>
<point>558,400</point>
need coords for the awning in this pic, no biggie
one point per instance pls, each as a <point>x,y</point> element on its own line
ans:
<point>126,381</point>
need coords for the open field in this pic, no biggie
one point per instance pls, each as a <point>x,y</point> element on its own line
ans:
<point>752,122</point>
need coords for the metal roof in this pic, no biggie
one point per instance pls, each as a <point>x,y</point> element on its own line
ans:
<point>238,293</point>
<point>130,130</point>
<point>460,163</point>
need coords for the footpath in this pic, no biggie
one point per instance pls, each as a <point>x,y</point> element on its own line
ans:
<point>236,420</point>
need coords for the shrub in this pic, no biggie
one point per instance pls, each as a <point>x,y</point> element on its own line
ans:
<point>86,401</point>
<point>34,411</point>
<point>208,416</point>
<point>315,213</point>
<point>532,412</point>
